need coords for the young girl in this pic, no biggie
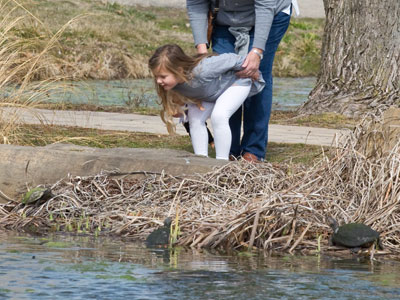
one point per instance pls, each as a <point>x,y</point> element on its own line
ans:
<point>209,87</point>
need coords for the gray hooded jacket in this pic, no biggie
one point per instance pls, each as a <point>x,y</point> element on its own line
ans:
<point>214,75</point>
<point>236,13</point>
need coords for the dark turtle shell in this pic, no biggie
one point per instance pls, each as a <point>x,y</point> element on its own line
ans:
<point>160,236</point>
<point>354,235</point>
<point>36,194</point>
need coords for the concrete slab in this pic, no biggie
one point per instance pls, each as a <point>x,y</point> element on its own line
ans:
<point>23,167</point>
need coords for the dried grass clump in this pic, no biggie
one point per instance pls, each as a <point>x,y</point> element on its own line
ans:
<point>24,60</point>
<point>277,207</point>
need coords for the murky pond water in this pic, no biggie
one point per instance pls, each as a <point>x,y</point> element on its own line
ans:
<point>289,93</point>
<point>67,267</point>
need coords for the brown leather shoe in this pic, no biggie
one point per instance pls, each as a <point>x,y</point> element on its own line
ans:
<point>247,156</point>
<point>232,158</point>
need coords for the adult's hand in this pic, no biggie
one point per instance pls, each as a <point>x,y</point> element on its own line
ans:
<point>201,48</point>
<point>250,66</point>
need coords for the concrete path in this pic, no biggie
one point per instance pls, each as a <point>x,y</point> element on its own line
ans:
<point>153,124</point>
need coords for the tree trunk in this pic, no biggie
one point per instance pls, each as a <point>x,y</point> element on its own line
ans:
<point>360,63</point>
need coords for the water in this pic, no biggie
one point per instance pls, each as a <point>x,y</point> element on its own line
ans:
<point>289,93</point>
<point>136,93</point>
<point>66,267</point>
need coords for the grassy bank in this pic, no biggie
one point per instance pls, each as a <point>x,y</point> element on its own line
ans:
<point>42,135</point>
<point>111,41</point>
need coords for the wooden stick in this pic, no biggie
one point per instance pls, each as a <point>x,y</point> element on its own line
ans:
<point>254,229</point>
<point>300,238</point>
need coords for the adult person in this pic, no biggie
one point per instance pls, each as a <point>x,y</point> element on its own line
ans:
<point>261,23</point>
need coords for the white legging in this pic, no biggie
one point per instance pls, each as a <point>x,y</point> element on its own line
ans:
<point>220,112</point>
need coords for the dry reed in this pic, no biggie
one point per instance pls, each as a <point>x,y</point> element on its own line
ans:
<point>23,62</point>
<point>273,207</point>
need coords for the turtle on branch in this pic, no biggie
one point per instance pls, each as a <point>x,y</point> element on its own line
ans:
<point>353,236</point>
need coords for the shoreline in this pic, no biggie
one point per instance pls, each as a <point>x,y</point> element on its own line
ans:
<point>239,205</point>
<point>325,250</point>
<point>280,207</point>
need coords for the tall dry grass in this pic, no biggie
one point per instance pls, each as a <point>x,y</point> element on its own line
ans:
<point>24,59</point>
<point>115,41</point>
<point>112,42</point>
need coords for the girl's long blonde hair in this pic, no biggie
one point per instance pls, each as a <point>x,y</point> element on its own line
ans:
<point>173,59</point>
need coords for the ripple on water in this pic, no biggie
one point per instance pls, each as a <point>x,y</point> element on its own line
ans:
<point>101,268</point>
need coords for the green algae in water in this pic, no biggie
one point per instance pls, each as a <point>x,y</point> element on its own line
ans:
<point>104,277</point>
<point>57,245</point>
<point>23,238</point>
<point>4,292</point>
<point>124,277</point>
<point>246,254</point>
<point>13,251</point>
<point>389,280</point>
<point>91,267</point>
<point>286,258</point>
<point>128,277</point>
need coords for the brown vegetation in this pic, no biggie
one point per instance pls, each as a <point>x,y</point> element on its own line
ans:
<point>277,207</point>
<point>22,62</point>
<point>102,40</point>
<point>111,41</point>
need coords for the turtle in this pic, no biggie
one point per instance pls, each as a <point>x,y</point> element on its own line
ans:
<point>160,236</point>
<point>35,194</point>
<point>353,235</point>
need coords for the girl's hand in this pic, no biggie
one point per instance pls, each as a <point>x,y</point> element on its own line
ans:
<point>200,106</point>
<point>250,66</point>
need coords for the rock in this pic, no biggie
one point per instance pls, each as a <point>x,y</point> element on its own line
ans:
<point>21,165</point>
